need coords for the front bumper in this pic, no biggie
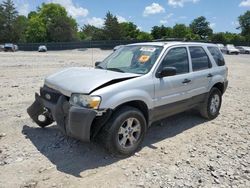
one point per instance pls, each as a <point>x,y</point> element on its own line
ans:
<point>72,121</point>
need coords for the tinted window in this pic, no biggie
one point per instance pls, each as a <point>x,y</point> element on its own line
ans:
<point>218,58</point>
<point>200,60</point>
<point>178,58</point>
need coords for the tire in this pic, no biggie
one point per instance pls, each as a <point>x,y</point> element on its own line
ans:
<point>210,109</point>
<point>116,134</point>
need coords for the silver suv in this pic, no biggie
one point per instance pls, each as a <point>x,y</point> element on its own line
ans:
<point>135,86</point>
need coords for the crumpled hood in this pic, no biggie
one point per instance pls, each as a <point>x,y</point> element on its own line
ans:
<point>82,79</point>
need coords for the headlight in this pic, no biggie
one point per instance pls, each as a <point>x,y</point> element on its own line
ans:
<point>86,101</point>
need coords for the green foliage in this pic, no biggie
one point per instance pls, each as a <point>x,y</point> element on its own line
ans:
<point>36,30</point>
<point>200,26</point>
<point>8,17</point>
<point>1,23</point>
<point>62,29</point>
<point>180,31</point>
<point>92,33</point>
<point>129,30</point>
<point>112,29</point>
<point>31,14</point>
<point>219,38</point>
<point>51,23</point>
<point>244,21</point>
<point>144,36</point>
<point>20,25</point>
<point>159,32</point>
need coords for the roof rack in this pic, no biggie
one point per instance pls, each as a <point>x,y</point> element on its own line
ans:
<point>180,40</point>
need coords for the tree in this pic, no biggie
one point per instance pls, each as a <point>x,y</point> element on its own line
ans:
<point>159,32</point>
<point>200,26</point>
<point>8,17</point>
<point>1,23</point>
<point>144,36</point>
<point>244,21</point>
<point>51,23</point>
<point>20,26</point>
<point>36,30</point>
<point>62,29</point>
<point>180,31</point>
<point>32,13</point>
<point>112,29</point>
<point>129,30</point>
<point>219,38</point>
<point>92,33</point>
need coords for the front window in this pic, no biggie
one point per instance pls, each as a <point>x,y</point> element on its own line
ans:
<point>177,58</point>
<point>137,59</point>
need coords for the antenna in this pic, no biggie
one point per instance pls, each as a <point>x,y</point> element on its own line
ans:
<point>92,53</point>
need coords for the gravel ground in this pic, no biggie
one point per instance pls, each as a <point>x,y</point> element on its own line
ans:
<point>181,151</point>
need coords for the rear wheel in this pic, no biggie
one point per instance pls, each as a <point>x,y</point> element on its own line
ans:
<point>124,132</point>
<point>211,107</point>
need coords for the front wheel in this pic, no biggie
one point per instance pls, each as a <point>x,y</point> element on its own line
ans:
<point>124,132</point>
<point>211,107</point>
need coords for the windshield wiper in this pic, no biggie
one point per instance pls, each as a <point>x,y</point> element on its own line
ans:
<point>99,67</point>
<point>115,69</point>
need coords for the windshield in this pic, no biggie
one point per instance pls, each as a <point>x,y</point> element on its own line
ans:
<point>137,59</point>
<point>230,46</point>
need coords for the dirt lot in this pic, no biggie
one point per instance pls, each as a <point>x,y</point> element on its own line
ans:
<point>182,151</point>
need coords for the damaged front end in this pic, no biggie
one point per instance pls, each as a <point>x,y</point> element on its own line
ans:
<point>74,121</point>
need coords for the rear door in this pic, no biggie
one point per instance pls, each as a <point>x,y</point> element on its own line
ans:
<point>201,67</point>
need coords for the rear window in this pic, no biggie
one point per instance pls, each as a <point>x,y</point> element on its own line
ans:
<point>218,57</point>
<point>200,60</point>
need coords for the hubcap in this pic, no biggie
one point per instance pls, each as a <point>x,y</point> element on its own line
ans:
<point>215,103</point>
<point>129,132</point>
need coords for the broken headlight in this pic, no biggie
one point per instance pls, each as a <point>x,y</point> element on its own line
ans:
<point>86,101</point>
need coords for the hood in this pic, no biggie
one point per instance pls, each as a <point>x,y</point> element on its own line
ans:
<point>84,80</point>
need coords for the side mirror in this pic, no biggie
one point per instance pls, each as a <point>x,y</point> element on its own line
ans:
<point>167,71</point>
<point>97,63</point>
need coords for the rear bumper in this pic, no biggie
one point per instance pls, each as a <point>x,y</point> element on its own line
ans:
<point>72,121</point>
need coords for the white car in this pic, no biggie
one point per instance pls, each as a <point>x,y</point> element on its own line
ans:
<point>42,48</point>
<point>1,47</point>
<point>243,49</point>
<point>138,84</point>
<point>221,47</point>
<point>230,49</point>
<point>9,47</point>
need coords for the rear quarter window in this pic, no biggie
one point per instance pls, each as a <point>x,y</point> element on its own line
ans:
<point>218,57</point>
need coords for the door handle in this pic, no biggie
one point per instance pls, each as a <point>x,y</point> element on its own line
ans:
<point>186,81</point>
<point>210,75</point>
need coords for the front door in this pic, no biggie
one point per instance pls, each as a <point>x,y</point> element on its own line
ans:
<point>171,92</point>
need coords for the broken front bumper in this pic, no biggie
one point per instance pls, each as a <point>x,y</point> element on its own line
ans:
<point>73,121</point>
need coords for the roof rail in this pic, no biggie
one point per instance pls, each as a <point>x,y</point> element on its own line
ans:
<point>180,40</point>
<point>168,39</point>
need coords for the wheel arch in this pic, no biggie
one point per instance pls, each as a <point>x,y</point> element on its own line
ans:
<point>140,105</point>
<point>220,86</point>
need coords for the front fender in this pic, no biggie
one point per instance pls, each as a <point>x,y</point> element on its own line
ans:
<point>126,96</point>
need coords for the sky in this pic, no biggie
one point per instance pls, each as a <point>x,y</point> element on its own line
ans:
<point>222,14</point>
